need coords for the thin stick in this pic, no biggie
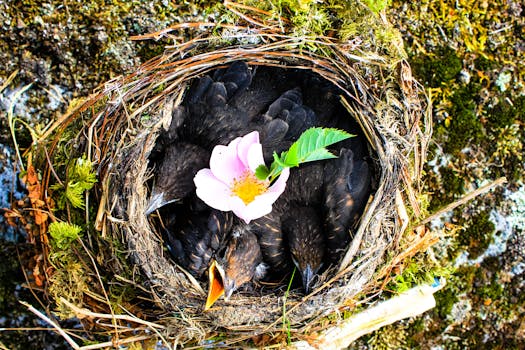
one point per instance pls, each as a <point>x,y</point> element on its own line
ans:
<point>67,338</point>
<point>111,344</point>
<point>411,303</point>
<point>11,121</point>
<point>86,312</point>
<point>463,200</point>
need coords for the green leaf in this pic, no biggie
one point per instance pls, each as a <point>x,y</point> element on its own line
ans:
<point>74,193</point>
<point>312,144</point>
<point>319,154</point>
<point>291,158</point>
<point>262,172</point>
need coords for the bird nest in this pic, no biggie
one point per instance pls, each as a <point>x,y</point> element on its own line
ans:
<point>119,129</point>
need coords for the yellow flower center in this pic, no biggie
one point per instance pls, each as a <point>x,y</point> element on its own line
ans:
<point>247,187</point>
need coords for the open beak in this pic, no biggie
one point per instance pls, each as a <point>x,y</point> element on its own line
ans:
<point>216,289</point>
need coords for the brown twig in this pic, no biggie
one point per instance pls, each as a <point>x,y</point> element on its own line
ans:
<point>466,198</point>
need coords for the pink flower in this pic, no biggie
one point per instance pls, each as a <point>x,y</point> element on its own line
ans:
<point>231,184</point>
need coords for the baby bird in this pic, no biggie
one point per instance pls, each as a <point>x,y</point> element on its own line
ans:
<point>303,232</point>
<point>241,263</point>
<point>289,107</point>
<point>174,176</point>
<point>347,187</point>
<point>305,184</point>
<point>213,120</point>
<point>199,239</point>
<point>274,250</point>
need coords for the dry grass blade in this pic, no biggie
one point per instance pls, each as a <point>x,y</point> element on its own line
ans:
<point>46,319</point>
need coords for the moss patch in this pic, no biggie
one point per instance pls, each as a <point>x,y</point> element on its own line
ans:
<point>439,68</point>
<point>478,234</point>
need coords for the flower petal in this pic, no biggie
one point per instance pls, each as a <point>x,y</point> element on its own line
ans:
<point>252,211</point>
<point>262,204</point>
<point>211,190</point>
<point>280,184</point>
<point>255,156</point>
<point>244,146</point>
<point>225,164</point>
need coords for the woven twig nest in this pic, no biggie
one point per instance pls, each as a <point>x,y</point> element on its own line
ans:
<point>131,112</point>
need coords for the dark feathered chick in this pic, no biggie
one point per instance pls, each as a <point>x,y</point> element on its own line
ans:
<point>241,263</point>
<point>170,134</point>
<point>305,184</point>
<point>236,77</point>
<point>174,175</point>
<point>303,232</point>
<point>289,107</point>
<point>213,120</point>
<point>347,188</point>
<point>266,86</point>
<point>199,239</point>
<point>282,124</point>
<point>323,97</point>
<point>273,246</point>
<point>272,136</point>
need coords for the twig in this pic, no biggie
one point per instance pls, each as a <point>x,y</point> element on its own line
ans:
<point>66,337</point>
<point>463,200</point>
<point>111,344</point>
<point>86,312</point>
<point>11,121</point>
<point>101,283</point>
<point>411,303</point>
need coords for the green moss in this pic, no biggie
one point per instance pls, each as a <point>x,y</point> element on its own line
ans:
<point>419,270</point>
<point>477,235</point>
<point>377,5</point>
<point>465,126</point>
<point>503,114</point>
<point>507,112</point>
<point>148,50</point>
<point>391,337</point>
<point>452,182</point>
<point>492,291</point>
<point>483,63</point>
<point>445,299</point>
<point>461,282</point>
<point>451,186</point>
<point>439,69</point>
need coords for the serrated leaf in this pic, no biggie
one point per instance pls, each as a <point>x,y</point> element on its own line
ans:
<point>262,172</point>
<point>310,142</point>
<point>319,154</point>
<point>74,193</point>
<point>310,146</point>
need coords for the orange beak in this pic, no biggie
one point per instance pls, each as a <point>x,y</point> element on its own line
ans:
<point>216,290</point>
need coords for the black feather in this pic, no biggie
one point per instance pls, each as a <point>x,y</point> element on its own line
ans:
<point>347,187</point>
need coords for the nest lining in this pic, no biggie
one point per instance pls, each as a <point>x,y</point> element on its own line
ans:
<point>138,107</point>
